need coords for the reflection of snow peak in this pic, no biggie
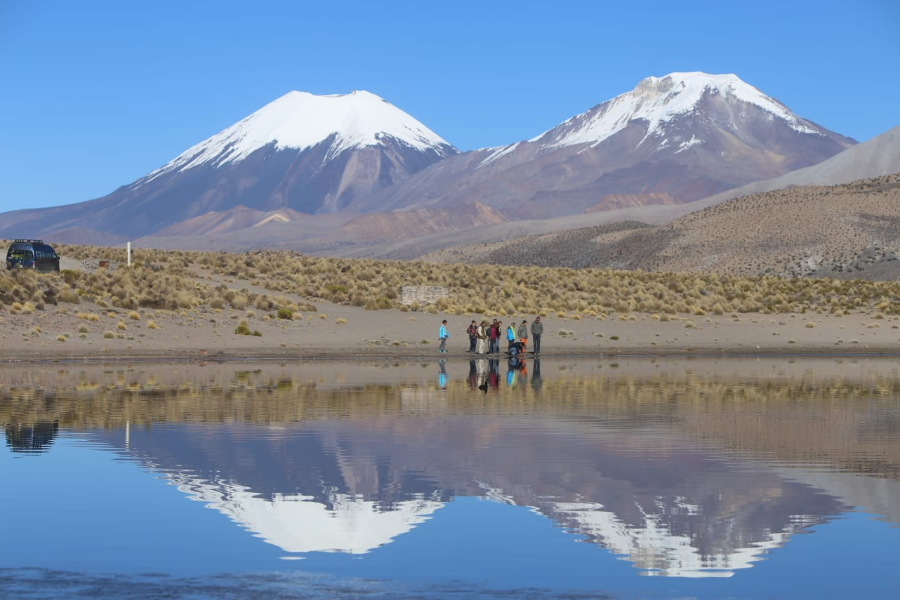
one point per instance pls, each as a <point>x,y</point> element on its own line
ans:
<point>297,523</point>
<point>654,548</point>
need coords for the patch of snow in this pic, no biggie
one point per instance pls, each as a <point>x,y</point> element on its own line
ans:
<point>691,142</point>
<point>275,217</point>
<point>301,120</point>
<point>659,100</point>
<point>496,153</point>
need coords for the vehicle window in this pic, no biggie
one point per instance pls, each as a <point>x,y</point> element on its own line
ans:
<point>20,254</point>
<point>45,252</point>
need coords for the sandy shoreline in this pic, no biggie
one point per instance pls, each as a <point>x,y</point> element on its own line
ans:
<point>67,333</point>
<point>352,354</point>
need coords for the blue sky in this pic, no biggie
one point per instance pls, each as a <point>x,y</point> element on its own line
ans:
<point>94,94</point>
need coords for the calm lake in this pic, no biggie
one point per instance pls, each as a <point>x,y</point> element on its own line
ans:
<point>587,478</point>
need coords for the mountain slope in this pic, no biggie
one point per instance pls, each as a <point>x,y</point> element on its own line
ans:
<point>684,136</point>
<point>845,231</point>
<point>872,158</point>
<point>876,157</point>
<point>310,154</point>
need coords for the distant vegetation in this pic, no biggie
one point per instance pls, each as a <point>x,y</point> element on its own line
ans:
<point>281,282</point>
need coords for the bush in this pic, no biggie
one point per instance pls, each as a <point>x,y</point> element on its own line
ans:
<point>285,313</point>
<point>68,296</point>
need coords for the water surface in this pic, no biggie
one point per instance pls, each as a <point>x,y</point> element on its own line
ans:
<point>751,478</point>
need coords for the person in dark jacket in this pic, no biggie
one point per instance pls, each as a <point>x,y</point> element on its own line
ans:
<point>537,330</point>
<point>494,337</point>
<point>473,336</point>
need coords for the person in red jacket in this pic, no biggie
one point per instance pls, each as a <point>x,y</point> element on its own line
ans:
<point>494,337</point>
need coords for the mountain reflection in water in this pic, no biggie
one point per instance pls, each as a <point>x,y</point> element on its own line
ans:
<point>685,468</point>
<point>30,439</point>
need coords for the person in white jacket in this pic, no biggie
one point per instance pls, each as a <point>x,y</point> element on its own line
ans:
<point>481,334</point>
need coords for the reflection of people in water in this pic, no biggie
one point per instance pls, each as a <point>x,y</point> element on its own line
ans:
<point>34,438</point>
<point>518,371</point>
<point>488,374</point>
<point>442,374</point>
<point>481,365</point>
<point>494,377</point>
<point>536,381</point>
<point>473,376</point>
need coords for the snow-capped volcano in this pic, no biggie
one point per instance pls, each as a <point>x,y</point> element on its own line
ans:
<point>299,155</point>
<point>658,101</point>
<point>300,121</point>
<point>679,138</point>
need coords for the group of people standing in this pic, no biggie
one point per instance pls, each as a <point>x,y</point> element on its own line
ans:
<point>484,337</point>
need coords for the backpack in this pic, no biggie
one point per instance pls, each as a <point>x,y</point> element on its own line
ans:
<point>510,334</point>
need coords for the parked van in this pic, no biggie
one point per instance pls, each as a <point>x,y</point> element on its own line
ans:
<point>32,254</point>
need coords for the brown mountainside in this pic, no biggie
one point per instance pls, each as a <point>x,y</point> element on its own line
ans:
<point>614,201</point>
<point>413,223</point>
<point>846,231</point>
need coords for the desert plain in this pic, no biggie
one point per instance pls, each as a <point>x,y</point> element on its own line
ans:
<point>95,329</point>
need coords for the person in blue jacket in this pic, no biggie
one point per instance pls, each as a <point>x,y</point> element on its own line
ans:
<point>511,338</point>
<point>443,334</point>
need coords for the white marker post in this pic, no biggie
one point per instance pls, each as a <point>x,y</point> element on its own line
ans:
<point>129,253</point>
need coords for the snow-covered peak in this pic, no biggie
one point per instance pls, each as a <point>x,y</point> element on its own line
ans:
<point>301,120</point>
<point>657,100</point>
<point>654,548</point>
<point>298,524</point>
